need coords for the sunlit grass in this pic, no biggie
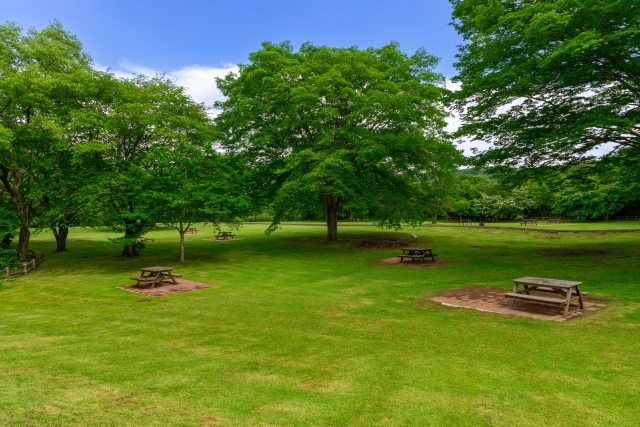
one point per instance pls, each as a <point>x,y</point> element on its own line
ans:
<point>301,331</point>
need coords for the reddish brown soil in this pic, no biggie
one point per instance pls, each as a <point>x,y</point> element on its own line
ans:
<point>413,263</point>
<point>166,289</point>
<point>493,300</point>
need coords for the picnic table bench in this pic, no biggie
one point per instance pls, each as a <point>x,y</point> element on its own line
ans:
<point>224,235</point>
<point>529,221</point>
<point>417,253</point>
<point>191,231</point>
<point>155,275</point>
<point>553,221</point>
<point>465,221</point>
<point>567,289</point>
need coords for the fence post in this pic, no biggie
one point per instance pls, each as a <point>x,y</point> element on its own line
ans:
<point>24,268</point>
<point>6,272</point>
<point>33,264</point>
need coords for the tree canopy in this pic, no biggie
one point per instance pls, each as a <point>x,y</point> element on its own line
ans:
<point>547,81</point>
<point>38,70</point>
<point>340,127</point>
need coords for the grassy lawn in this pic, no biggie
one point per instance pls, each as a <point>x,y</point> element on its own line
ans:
<point>304,332</point>
<point>542,224</point>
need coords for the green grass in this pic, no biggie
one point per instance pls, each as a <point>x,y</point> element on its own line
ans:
<point>304,332</point>
<point>567,225</point>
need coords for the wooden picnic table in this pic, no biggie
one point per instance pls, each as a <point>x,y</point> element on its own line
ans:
<point>553,221</point>
<point>529,221</point>
<point>191,231</point>
<point>567,289</point>
<point>417,253</point>
<point>156,275</point>
<point>224,235</point>
<point>465,221</point>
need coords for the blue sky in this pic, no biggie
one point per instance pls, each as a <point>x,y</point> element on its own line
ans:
<point>170,35</point>
<point>195,41</point>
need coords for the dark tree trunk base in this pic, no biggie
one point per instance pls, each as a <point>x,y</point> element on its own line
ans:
<point>61,235</point>
<point>23,242</point>
<point>331,206</point>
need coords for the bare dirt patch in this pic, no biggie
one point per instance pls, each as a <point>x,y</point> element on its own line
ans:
<point>166,289</point>
<point>493,300</point>
<point>383,243</point>
<point>427,263</point>
<point>298,239</point>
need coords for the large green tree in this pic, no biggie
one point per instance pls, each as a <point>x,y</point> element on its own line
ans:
<point>342,126</point>
<point>144,121</point>
<point>35,69</point>
<point>546,81</point>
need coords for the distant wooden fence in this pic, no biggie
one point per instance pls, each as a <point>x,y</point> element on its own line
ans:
<point>36,259</point>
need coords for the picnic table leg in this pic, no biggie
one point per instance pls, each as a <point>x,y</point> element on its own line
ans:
<point>567,302</point>
<point>155,280</point>
<point>579,297</point>
<point>515,291</point>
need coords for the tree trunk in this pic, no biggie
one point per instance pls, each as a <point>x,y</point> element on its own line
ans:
<point>331,207</point>
<point>23,242</point>
<point>61,234</point>
<point>23,219</point>
<point>131,232</point>
<point>129,251</point>
<point>350,215</point>
<point>181,246</point>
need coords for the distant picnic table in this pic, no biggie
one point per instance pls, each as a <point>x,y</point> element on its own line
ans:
<point>567,289</point>
<point>529,221</point>
<point>155,275</point>
<point>553,221</point>
<point>417,253</point>
<point>191,231</point>
<point>224,235</point>
<point>465,221</point>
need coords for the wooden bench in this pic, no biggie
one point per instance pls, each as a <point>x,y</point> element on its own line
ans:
<point>568,290</point>
<point>224,235</point>
<point>549,290</point>
<point>155,275</point>
<point>417,253</point>
<point>529,221</point>
<point>143,279</point>
<point>535,298</point>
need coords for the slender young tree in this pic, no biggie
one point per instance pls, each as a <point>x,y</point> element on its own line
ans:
<point>341,126</point>
<point>193,184</point>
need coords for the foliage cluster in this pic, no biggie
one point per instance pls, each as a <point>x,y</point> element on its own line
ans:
<point>340,129</point>
<point>80,145</point>
<point>593,190</point>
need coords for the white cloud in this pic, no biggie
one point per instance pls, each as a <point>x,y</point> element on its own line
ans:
<point>199,81</point>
